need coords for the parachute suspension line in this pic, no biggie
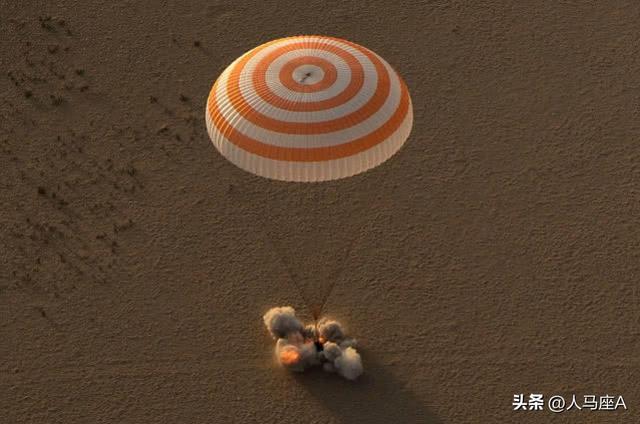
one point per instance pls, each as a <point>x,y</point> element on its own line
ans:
<point>316,311</point>
<point>337,272</point>
<point>290,273</point>
<point>339,269</point>
<point>334,276</point>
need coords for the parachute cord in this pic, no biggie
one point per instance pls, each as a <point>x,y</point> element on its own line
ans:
<point>291,274</point>
<point>315,312</point>
<point>338,271</point>
<point>333,276</point>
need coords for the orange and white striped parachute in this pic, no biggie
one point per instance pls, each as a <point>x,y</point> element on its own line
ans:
<point>309,108</point>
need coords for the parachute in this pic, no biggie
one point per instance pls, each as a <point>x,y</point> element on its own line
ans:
<point>309,109</point>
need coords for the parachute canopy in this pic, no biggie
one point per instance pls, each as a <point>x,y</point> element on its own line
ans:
<point>309,108</point>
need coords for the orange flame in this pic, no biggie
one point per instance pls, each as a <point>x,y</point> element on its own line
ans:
<point>289,357</point>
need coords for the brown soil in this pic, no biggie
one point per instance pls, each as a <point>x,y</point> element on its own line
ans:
<point>497,253</point>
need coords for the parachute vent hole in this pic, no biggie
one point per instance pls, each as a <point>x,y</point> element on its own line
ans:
<point>306,75</point>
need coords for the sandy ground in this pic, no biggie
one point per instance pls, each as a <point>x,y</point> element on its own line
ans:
<point>497,253</point>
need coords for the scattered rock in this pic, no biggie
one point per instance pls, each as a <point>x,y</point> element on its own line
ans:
<point>46,23</point>
<point>56,100</point>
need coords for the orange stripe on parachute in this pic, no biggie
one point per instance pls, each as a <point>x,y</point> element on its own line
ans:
<point>247,112</point>
<point>314,154</point>
<point>265,93</point>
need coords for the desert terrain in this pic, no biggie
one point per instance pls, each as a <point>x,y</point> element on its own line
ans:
<point>497,253</point>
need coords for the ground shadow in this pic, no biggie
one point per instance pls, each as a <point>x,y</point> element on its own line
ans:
<point>376,397</point>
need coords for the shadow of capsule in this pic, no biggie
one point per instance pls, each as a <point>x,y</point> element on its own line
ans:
<point>376,397</point>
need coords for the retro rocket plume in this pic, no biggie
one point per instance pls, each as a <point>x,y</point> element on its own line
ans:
<point>299,347</point>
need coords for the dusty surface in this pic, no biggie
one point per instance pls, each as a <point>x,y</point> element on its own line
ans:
<point>497,253</point>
